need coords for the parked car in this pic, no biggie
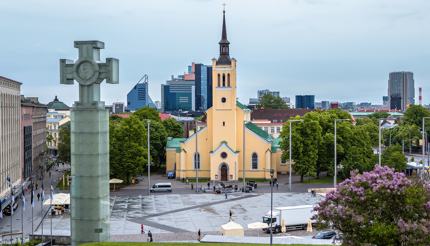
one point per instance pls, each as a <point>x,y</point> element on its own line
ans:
<point>325,235</point>
<point>6,210</point>
<point>171,175</point>
<point>252,183</point>
<point>159,187</point>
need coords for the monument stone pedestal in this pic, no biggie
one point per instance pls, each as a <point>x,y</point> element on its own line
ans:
<point>90,207</point>
<point>90,171</point>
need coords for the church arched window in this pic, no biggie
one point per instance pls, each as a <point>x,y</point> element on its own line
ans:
<point>254,161</point>
<point>219,80</point>
<point>223,80</point>
<point>197,160</point>
<point>228,80</point>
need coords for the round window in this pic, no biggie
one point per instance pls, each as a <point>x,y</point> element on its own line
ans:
<point>223,155</point>
<point>223,100</point>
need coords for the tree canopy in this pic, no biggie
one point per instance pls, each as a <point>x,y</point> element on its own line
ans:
<point>64,143</point>
<point>393,156</point>
<point>272,102</point>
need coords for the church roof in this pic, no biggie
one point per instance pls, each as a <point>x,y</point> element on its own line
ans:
<point>257,130</point>
<point>264,135</point>
<point>175,143</point>
<point>240,105</point>
<point>57,105</point>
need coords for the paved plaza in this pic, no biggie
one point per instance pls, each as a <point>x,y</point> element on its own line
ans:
<point>180,216</point>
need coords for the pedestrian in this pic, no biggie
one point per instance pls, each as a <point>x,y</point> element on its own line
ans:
<point>37,186</point>
<point>225,192</point>
<point>209,185</point>
<point>150,236</point>
<point>199,234</point>
<point>277,185</point>
<point>192,186</point>
<point>38,196</point>
<point>231,214</point>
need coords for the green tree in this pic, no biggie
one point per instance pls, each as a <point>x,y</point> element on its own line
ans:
<point>273,102</point>
<point>359,154</point>
<point>415,114</point>
<point>127,151</point>
<point>173,128</point>
<point>64,143</point>
<point>393,156</point>
<point>306,140</point>
<point>158,140</point>
<point>371,128</point>
<point>147,113</point>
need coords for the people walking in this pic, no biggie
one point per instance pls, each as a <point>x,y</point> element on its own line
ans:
<point>209,185</point>
<point>231,214</point>
<point>150,236</point>
<point>38,196</point>
<point>225,192</point>
<point>277,185</point>
<point>199,235</point>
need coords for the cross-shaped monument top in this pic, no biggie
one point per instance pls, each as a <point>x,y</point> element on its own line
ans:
<point>89,71</point>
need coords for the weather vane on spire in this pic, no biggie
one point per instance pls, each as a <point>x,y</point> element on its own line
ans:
<point>223,7</point>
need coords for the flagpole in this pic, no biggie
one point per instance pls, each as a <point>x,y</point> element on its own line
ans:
<point>50,208</point>
<point>32,206</point>
<point>22,215</point>
<point>11,207</point>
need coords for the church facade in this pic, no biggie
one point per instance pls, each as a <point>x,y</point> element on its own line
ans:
<point>229,147</point>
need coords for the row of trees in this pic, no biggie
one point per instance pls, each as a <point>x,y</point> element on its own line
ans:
<point>313,144</point>
<point>128,142</point>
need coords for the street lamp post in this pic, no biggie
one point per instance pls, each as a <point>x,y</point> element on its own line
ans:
<point>379,142</point>
<point>424,137</point>
<point>290,152</point>
<point>197,161</point>
<point>335,150</point>
<point>149,158</point>
<point>271,205</point>
<point>243,156</point>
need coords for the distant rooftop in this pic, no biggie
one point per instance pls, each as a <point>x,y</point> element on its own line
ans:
<point>57,105</point>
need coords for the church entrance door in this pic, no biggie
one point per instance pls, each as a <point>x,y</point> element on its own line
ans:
<point>224,172</point>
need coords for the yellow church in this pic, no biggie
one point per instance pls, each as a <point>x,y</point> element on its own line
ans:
<point>229,147</point>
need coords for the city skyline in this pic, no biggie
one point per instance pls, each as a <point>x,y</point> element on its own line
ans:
<point>334,44</point>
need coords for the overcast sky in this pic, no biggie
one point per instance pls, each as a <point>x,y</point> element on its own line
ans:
<point>336,49</point>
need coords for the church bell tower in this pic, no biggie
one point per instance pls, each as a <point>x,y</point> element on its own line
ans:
<point>224,93</point>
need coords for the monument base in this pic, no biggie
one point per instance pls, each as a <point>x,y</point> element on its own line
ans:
<point>90,173</point>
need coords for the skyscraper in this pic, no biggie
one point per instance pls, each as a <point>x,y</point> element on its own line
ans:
<point>178,94</point>
<point>305,101</point>
<point>138,97</point>
<point>401,90</point>
<point>203,86</point>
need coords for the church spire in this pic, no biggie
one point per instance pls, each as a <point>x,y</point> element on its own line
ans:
<point>224,54</point>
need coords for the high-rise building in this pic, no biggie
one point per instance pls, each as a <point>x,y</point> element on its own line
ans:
<point>305,101</point>
<point>33,134</point>
<point>117,107</point>
<point>401,90</point>
<point>203,86</point>
<point>385,101</point>
<point>325,105</point>
<point>138,97</point>
<point>10,136</point>
<point>178,94</point>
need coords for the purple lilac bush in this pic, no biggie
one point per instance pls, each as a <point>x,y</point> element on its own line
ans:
<point>380,207</point>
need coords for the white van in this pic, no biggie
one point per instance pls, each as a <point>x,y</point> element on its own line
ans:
<point>161,187</point>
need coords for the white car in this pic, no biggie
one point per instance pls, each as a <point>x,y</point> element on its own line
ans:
<point>161,187</point>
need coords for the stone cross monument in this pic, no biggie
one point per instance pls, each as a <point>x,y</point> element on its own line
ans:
<point>90,208</point>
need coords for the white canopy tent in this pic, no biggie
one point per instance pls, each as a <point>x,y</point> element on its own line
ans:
<point>58,199</point>
<point>232,229</point>
<point>115,181</point>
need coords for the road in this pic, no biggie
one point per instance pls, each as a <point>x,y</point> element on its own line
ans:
<point>29,224</point>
